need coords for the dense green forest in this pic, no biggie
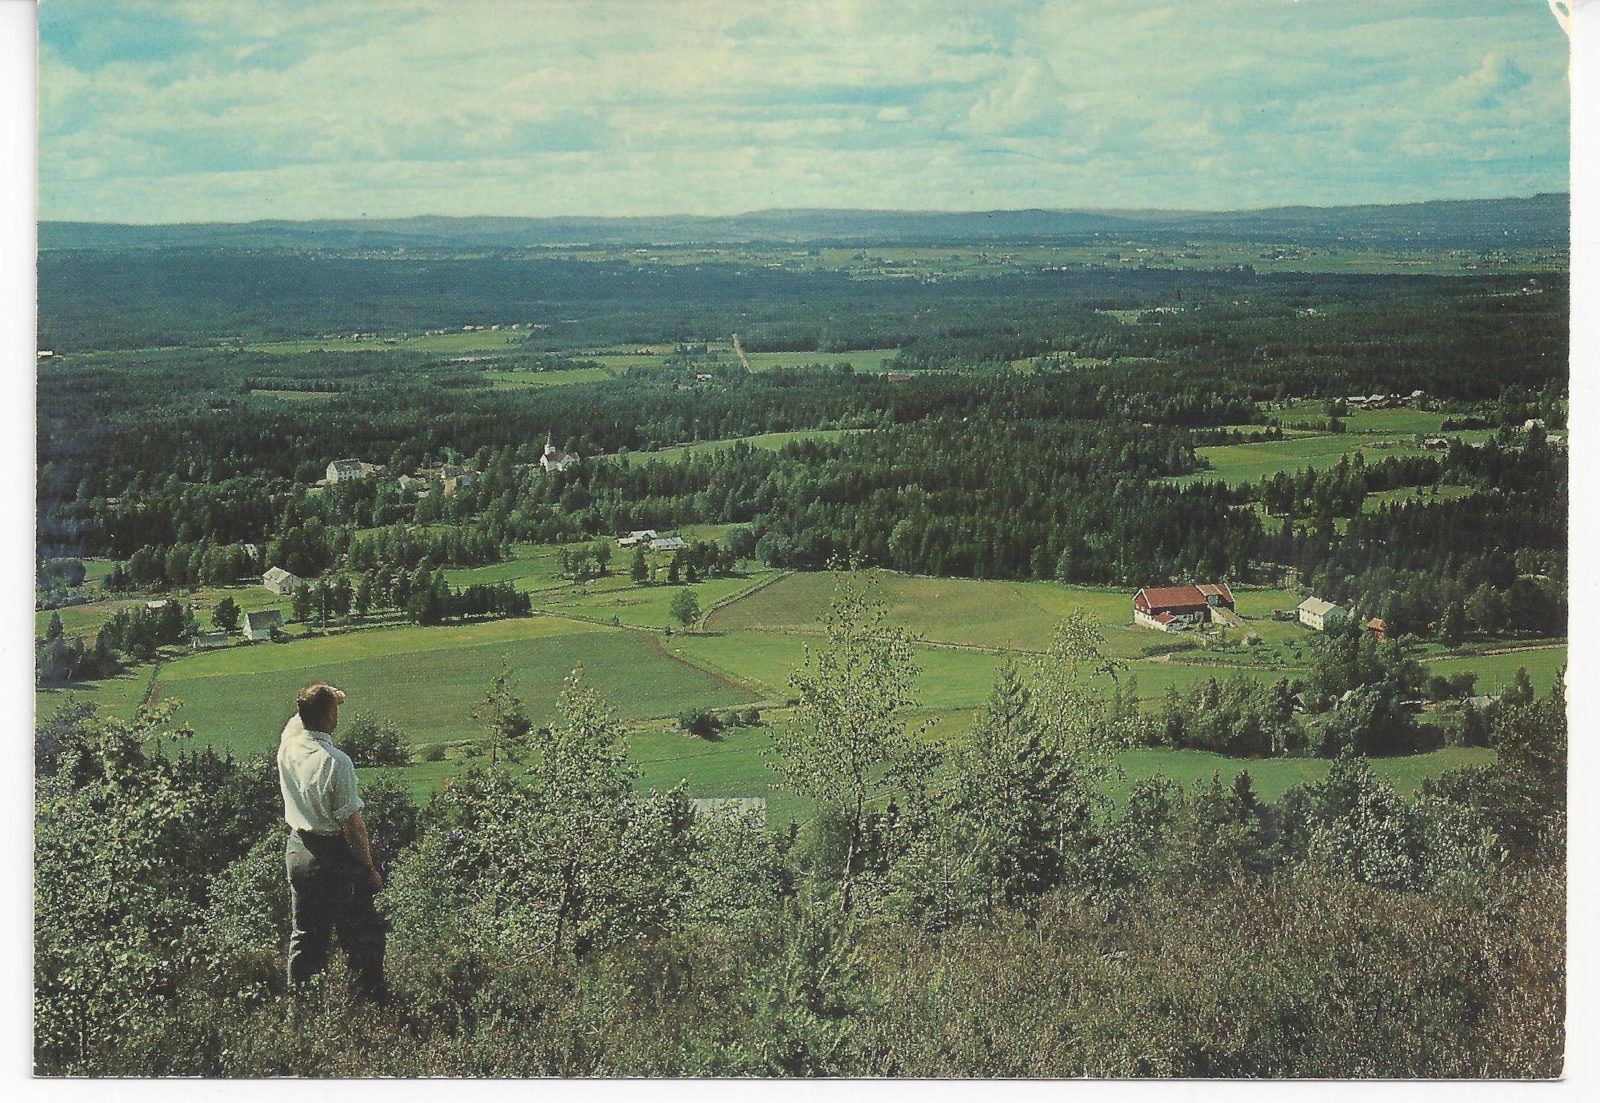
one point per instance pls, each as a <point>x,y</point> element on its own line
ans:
<point>975,467</point>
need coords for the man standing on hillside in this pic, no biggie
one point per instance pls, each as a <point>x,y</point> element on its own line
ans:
<point>331,876</point>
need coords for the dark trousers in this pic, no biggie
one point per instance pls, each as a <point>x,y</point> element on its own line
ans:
<point>328,894</point>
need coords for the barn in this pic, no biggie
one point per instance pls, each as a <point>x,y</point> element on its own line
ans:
<point>1171,608</point>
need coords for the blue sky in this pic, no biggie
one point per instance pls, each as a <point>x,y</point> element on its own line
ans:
<point>196,110</point>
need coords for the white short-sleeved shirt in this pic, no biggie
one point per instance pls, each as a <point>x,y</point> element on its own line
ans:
<point>317,779</point>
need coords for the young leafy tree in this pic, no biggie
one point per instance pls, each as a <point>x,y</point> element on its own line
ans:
<point>685,607</point>
<point>300,603</point>
<point>989,838</point>
<point>561,861</point>
<point>848,746</point>
<point>110,890</point>
<point>1452,625</point>
<point>225,617</point>
<point>504,715</point>
<point>1079,726</point>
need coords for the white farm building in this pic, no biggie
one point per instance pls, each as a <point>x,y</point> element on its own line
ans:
<point>280,581</point>
<point>344,470</point>
<point>1320,615</point>
<point>261,624</point>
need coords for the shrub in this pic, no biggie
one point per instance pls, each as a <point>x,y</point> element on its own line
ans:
<point>373,741</point>
<point>701,722</point>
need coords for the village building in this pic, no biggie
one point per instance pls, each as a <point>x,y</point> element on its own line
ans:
<point>1320,615</point>
<point>343,470</point>
<point>666,543</point>
<point>1375,626</point>
<point>637,536</point>
<point>208,641</point>
<point>158,603</point>
<point>280,581</point>
<point>1173,608</point>
<point>554,459</point>
<point>261,624</point>
<point>1436,444</point>
<point>453,483</point>
<point>1532,423</point>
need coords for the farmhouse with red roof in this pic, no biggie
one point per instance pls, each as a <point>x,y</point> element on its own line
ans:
<point>1170,608</point>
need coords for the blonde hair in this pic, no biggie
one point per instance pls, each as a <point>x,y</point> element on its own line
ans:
<point>316,702</point>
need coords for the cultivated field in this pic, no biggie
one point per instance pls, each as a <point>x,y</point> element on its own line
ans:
<point>429,679</point>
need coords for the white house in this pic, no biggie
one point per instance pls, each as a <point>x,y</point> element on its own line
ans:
<point>349,469</point>
<point>1320,615</point>
<point>261,624</point>
<point>280,581</point>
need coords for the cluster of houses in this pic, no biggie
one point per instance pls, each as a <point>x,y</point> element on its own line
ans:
<point>450,477</point>
<point>1177,608</point>
<point>1381,401</point>
<point>651,539</point>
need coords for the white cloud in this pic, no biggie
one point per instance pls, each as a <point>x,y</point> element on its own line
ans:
<point>333,109</point>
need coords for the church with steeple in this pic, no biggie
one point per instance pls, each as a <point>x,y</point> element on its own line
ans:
<point>554,459</point>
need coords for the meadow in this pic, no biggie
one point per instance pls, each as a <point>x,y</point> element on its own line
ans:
<point>769,441</point>
<point>754,634</point>
<point>430,687</point>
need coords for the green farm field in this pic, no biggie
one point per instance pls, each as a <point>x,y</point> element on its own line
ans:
<point>522,380</point>
<point>483,340</point>
<point>431,687</point>
<point>1247,463</point>
<point>866,361</point>
<point>429,679</point>
<point>1496,671</point>
<point>86,620</point>
<point>769,441</point>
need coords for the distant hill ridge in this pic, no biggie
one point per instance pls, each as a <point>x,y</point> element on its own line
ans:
<point>1532,221</point>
